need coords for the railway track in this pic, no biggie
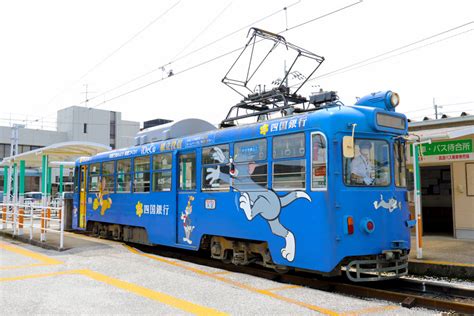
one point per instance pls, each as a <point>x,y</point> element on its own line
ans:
<point>406,292</point>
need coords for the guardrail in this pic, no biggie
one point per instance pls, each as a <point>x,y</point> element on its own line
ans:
<point>31,216</point>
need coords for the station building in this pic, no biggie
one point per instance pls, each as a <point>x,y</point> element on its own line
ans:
<point>447,175</point>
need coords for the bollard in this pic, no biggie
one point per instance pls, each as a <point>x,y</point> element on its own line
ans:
<point>21,220</point>
<point>48,215</point>
<point>42,222</point>
<point>31,221</point>
<point>4,215</point>
<point>420,231</point>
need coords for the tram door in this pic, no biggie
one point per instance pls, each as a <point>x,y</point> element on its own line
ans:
<point>83,197</point>
<point>186,173</point>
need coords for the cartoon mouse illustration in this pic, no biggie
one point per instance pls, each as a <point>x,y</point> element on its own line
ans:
<point>188,228</point>
<point>256,200</point>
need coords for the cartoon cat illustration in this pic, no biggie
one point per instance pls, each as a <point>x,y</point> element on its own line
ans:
<point>255,200</point>
<point>391,205</point>
<point>188,228</point>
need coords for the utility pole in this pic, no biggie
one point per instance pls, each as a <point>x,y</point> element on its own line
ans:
<point>13,171</point>
<point>435,108</point>
<point>87,92</point>
<point>15,139</point>
<point>87,100</point>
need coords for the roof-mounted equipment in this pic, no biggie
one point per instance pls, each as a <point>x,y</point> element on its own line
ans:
<point>255,65</point>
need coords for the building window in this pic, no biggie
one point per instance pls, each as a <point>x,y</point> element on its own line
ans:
<point>112,128</point>
<point>123,176</point>
<point>289,166</point>
<point>162,172</point>
<point>141,178</point>
<point>318,161</point>
<point>94,174</point>
<point>215,169</point>
<point>85,128</point>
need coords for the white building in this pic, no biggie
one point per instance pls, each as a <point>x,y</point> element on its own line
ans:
<point>75,123</point>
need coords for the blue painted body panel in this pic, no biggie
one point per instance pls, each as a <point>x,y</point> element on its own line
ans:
<point>317,225</point>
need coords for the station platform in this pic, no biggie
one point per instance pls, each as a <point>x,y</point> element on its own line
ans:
<point>108,277</point>
<point>71,240</point>
<point>443,256</point>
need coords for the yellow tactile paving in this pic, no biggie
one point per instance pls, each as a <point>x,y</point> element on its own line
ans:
<point>319,309</point>
<point>283,287</point>
<point>45,260</point>
<point>369,310</point>
<point>130,287</point>
<point>221,272</point>
<point>447,263</point>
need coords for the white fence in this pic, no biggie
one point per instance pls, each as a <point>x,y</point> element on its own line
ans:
<point>29,217</point>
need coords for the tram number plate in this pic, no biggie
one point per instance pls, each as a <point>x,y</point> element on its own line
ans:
<point>210,204</point>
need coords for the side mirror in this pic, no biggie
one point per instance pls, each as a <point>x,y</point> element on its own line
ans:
<point>348,147</point>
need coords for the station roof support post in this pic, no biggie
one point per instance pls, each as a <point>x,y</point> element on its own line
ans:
<point>21,192</point>
<point>5,182</point>
<point>417,189</point>
<point>21,197</point>
<point>61,171</point>
<point>5,185</point>
<point>49,186</point>
<point>15,197</point>
<point>44,189</point>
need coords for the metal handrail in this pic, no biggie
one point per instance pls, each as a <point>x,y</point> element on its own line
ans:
<point>10,214</point>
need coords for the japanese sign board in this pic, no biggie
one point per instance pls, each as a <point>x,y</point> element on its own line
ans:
<point>447,151</point>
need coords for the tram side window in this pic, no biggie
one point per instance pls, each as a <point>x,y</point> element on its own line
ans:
<point>123,175</point>
<point>141,177</point>
<point>251,164</point>
<point>370,166</point>
<point>187,171</point>
<point>215,169</point>
<point>162,164</point>
<point>399,154</point>
<point>318,162</point>
<point>107,180</point>
<point>94,174</point>
<point>289,166</point>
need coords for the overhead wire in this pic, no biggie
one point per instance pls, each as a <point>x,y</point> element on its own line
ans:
<point>116,50</point>
<point>375,59</point>
<point>203,30</point>
<point>460,103</point>
<point>440,112</point>
<point>161,67</point>
<point>220,56</point>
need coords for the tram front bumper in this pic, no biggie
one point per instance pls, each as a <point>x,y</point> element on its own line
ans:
<point>391,264</point>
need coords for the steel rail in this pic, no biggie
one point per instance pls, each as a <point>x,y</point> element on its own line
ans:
<point>395,292</point>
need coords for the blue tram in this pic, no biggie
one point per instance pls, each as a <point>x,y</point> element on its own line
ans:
<point>316,191</point>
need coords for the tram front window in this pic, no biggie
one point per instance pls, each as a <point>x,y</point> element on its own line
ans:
<point>370,165</point>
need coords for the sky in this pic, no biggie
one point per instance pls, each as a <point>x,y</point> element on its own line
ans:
<point>52,51</point>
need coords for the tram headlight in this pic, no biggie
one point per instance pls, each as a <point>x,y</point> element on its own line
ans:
<point>391,100</point>
<point>394,99</point>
